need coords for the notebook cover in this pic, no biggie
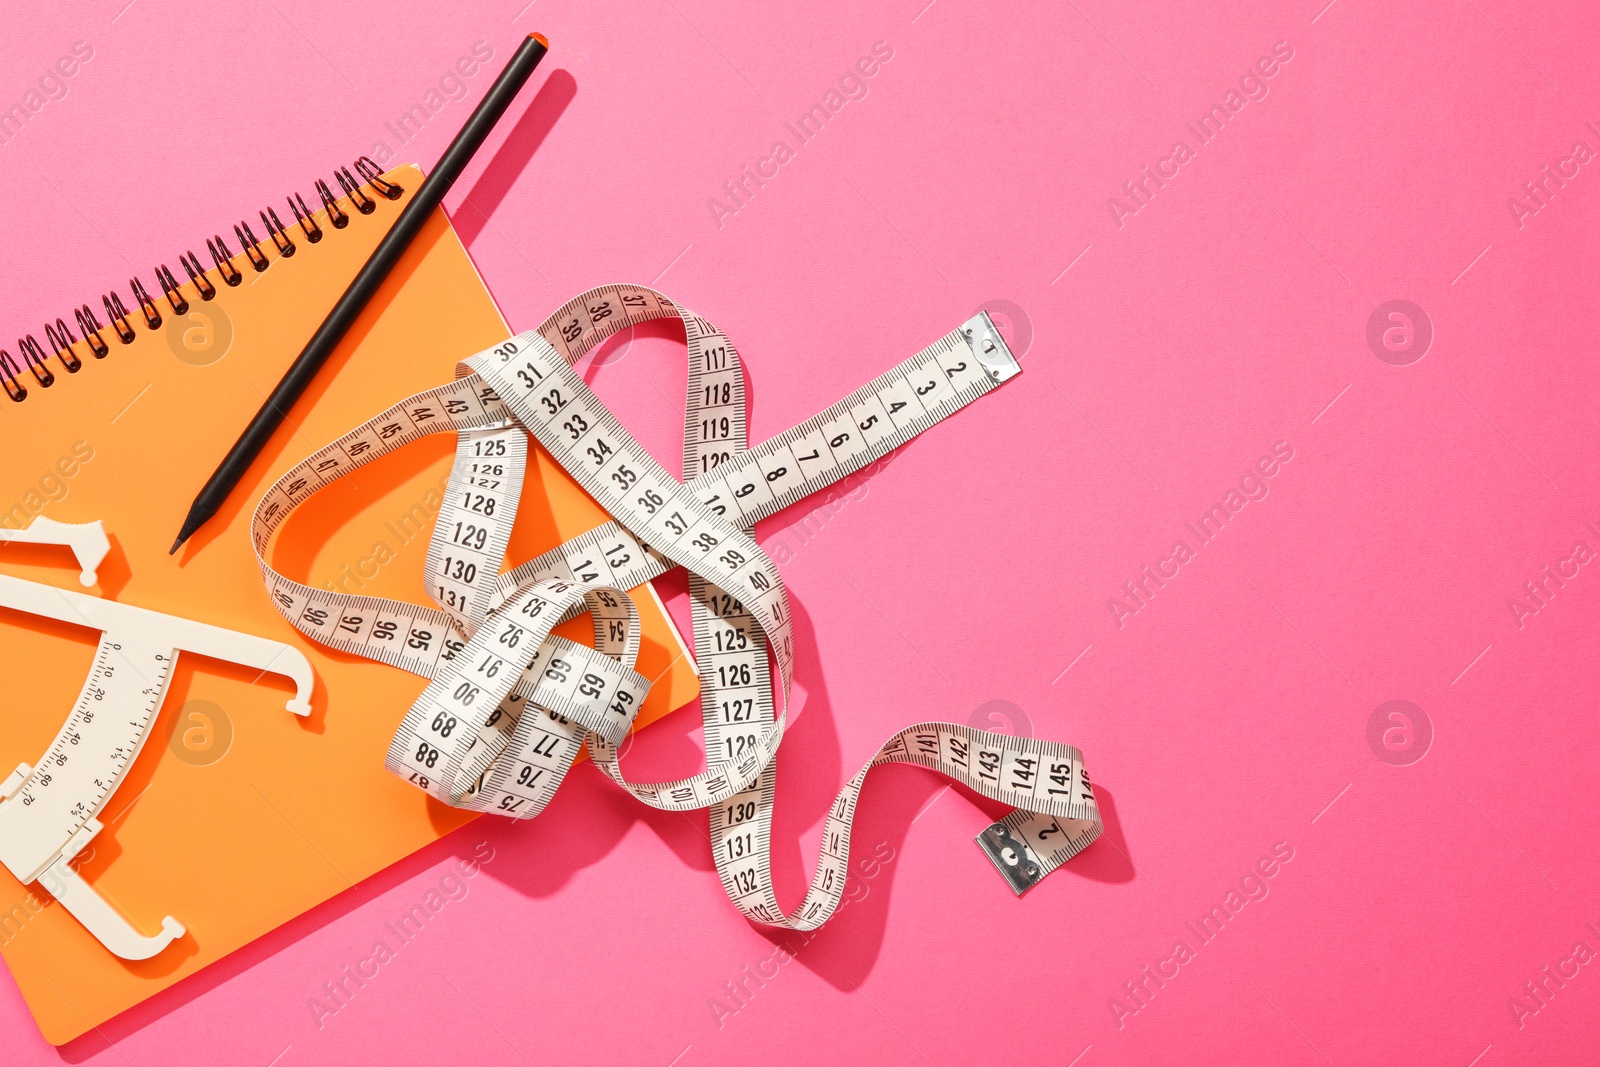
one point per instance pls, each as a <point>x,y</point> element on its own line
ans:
<point>235,836</point>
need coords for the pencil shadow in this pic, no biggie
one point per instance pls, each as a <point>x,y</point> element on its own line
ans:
<point>514,152</point>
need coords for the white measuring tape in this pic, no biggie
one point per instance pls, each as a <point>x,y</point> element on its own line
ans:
<point>510,707</point>
<point>49,812</point>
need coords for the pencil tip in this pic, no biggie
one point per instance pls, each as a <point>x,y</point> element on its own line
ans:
<point>177,544</point>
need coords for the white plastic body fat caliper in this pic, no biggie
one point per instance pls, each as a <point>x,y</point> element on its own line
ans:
<point>48,812</point>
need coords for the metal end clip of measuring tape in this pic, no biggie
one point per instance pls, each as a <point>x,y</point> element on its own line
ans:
<point>510,707</point>
<point>50,812</point>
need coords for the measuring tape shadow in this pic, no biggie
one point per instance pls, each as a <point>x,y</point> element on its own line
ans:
<point>509,708</point>
<point>452,742</point>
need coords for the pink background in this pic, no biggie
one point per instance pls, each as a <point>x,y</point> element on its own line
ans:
<point>1229,714</point>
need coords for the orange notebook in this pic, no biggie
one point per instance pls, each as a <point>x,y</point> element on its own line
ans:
<point>237,816</point>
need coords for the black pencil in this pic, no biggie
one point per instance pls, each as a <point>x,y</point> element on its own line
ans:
<point>361,290</point>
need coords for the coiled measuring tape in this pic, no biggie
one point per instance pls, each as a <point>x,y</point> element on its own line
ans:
<point>510,707</point>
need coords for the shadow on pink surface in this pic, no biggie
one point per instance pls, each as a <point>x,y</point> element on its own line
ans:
<point>458,846</point>
<point>590,817</point>
<point>844,952</point>
<point>512,157</point>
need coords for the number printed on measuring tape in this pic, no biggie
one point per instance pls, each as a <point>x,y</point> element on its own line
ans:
<point>509,707</point>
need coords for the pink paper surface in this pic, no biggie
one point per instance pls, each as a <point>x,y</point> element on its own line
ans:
<point>1228,720</point>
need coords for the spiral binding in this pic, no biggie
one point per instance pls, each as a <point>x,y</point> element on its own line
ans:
<point>120,321</point>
